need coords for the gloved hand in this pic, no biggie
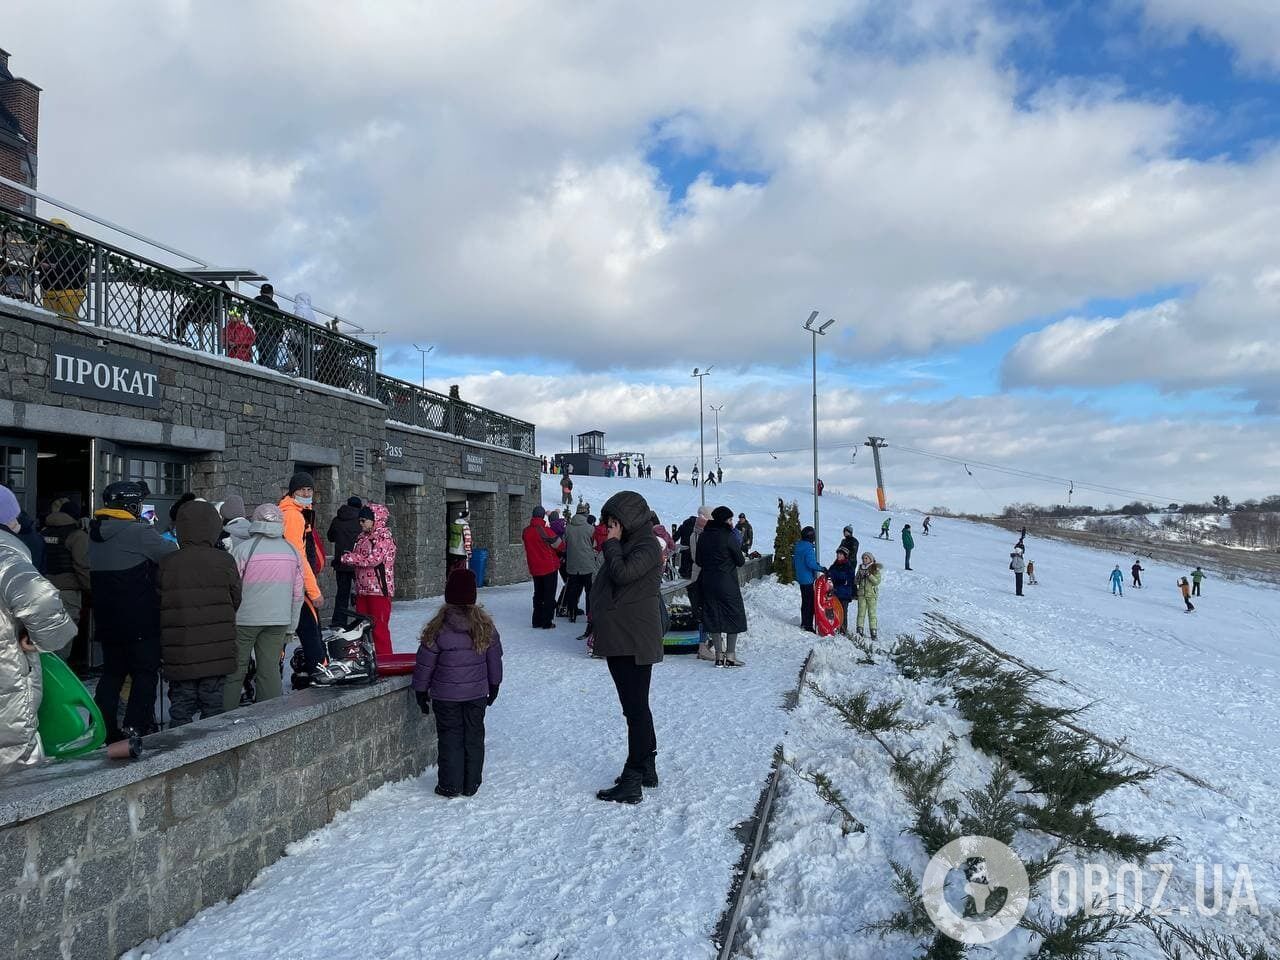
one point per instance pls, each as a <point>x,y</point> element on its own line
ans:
<point>493,694</point>
<point>424,701</point>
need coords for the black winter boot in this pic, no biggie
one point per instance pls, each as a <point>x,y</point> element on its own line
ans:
<point>648,772</point>
<point>627,789</point>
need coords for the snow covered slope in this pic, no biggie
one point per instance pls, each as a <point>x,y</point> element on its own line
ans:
<point>535,867</point>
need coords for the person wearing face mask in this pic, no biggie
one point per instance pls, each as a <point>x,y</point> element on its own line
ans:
<point>299,518</point>
<point>31,617</point>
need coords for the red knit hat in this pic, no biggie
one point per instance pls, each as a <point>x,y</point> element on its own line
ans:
<point>460,589</point>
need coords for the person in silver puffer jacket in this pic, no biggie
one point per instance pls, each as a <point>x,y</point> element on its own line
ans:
<point>31,618</point>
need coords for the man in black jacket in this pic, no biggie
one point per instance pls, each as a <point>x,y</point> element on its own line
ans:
<point>123,554</point>
<point>849,544</point>
<point>343,531</point>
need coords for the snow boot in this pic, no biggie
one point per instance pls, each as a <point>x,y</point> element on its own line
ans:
<point>873,635</point>
<point>626,790</point>
<point>648,772</point>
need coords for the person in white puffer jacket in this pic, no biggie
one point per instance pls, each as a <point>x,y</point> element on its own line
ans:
<point>31,618</point>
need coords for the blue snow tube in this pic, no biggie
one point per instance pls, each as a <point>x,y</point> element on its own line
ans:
<point>479,563</point>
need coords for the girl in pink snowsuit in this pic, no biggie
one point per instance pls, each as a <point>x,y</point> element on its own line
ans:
<point>374,560</point>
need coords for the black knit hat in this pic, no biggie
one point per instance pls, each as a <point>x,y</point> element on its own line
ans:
<point>299,480</point>
<point>366,513</point>
<point>722,514</point>
<point>460,588</point>
<point>355,502</point>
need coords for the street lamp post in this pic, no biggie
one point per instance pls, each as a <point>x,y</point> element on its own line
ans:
<point>702,446</point>
<point>716,410</point>
<point>424,351</point>
<point>818,331</point>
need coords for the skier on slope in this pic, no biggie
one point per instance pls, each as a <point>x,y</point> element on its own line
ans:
<point>1117,582</point>
<point>925,526</point>
<point>1185,587</point>
<point>1136,570</point>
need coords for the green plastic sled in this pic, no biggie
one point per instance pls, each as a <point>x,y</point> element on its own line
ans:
<point>70,722</point>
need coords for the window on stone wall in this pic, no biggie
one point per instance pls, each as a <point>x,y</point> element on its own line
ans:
<point>516,519</point>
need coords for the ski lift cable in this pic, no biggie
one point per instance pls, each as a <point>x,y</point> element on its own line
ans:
<point>1043,477</point>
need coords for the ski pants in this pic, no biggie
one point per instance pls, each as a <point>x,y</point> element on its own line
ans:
<point>867,613</point>
<point>1117,588</point>
<point>203,696</point>
<point>266,644</point>
<point>544,599</point>
<point>1137,580</point>
<point>579,584</point>
<point>806,606</point>
<point>377,609</point>
<point>342,598</point>
<point>631,680</point>
<point>309,636</point>
<point>1190,605</point>
<point>132,652</point>
<point>1195,589</point>
<point>460,734</point>
<point>908,549</point>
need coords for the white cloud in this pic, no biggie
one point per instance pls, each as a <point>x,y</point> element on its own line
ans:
<point>1220,334</point>
<point>1162,457</point>
<point>1251,26</point>
<point>476,172</point>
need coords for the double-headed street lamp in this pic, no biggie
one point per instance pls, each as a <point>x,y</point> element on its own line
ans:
<point>716,410</point>
<point>818,331</point>
<point>702,448</point>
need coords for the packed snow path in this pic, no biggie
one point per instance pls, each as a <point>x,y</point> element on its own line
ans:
<point>534,866</point>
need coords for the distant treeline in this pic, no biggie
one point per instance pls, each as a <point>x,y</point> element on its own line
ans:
<point>1219,504</point>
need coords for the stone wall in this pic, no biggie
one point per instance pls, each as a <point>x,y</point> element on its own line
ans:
<point>99,858</point>
<point>497,480</point>
<point>247,429</point>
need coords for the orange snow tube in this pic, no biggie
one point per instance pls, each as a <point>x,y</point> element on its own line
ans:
<point>827,615</point>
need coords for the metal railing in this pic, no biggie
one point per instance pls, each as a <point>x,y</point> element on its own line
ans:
<point>409,403</point>
<point>93,282</point>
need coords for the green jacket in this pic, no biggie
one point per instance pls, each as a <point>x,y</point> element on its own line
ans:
<point>908,541</point>
<point>1197,575</point>
<point>868,583</point>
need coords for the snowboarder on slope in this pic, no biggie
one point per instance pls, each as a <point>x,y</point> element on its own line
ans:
<point>925,526</point>
<point>884,529</point>
<point>1117,582</point>
<point>1136,570</point>
<point>1185,587</point>
<point>1196,576</point>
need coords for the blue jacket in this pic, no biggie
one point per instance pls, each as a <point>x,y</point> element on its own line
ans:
<point>805,560</point>
<point>1117,577</point>
<point>842,574</point>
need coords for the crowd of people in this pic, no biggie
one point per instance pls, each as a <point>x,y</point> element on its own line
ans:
<point>194,604</point>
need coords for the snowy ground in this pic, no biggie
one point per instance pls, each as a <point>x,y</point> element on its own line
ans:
<point>535,867</point>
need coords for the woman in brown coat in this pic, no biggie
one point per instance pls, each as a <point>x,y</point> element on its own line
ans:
<point>199,594</point>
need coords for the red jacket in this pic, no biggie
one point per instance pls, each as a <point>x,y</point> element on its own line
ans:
<point>542,548</point>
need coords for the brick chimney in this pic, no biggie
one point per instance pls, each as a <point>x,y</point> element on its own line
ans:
<point>22,98</point>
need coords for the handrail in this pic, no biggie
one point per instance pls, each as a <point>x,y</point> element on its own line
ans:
<point>417,406</point>
<point>92,281</point>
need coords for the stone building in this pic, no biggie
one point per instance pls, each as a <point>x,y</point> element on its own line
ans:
<point>143,381</point>
<point>19,135</point>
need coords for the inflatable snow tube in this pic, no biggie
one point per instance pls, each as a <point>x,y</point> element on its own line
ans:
<point>826,608</point>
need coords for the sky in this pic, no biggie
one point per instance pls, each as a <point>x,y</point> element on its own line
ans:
<point>1045,229</point>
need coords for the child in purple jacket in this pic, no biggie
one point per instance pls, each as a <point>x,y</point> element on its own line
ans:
<point>458,672</point>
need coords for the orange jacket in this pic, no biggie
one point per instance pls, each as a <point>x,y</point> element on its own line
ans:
<point>296,532</point>
<point>1185,588</point>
